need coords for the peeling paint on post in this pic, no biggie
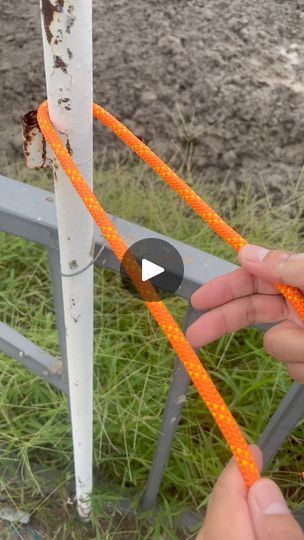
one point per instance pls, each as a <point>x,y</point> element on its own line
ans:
<point>67,41</point>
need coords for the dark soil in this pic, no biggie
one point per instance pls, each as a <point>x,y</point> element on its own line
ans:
<point>216,84</point>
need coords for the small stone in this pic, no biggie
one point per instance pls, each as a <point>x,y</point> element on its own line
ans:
<point>208,14</point>
<point>235,24</point>
<point>171,44</point>
<point>5,66</point>
<point>148,96</point>
<point>229,158</point>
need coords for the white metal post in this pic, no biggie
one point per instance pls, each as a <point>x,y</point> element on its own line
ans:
<point>67,43</point>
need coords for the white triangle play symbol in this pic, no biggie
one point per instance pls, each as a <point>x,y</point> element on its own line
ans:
<point>150,270</point>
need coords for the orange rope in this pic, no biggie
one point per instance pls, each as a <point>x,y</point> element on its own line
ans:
<point>195,369</point>
<point>292,294</point>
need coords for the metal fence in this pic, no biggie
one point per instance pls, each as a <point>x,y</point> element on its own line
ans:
<point>29,212</point>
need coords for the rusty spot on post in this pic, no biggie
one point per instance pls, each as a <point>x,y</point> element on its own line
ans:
<point>35,147</point>
<point>73,266</point>
<point>59,38</point>
<point>43,149</point>
<point>55,169</point>
<point>65,102</point>
<point>34,143</point>
<point>29,121</point>
<point>48,11</point>
<point>60,64</point>
<point>68,146</point>
<point>71,18</point>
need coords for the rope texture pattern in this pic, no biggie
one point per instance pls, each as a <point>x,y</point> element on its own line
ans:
<point>175,336</point>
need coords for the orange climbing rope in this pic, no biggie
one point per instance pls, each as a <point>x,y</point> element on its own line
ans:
<point>194,367</point>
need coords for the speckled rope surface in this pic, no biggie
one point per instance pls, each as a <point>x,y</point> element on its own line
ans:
<point>175,336</point>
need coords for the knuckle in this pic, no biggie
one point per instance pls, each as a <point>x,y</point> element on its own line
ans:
<point>284,266</point>
<point>251,310</point>
<point>225,321</point>
<point>254,284</point>
<point>291,268</point>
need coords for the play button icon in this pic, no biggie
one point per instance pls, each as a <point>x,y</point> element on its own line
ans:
<point>160,264</point>
<point>150,270</point>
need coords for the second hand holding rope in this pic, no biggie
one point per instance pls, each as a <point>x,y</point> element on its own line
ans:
<point>194,367</point>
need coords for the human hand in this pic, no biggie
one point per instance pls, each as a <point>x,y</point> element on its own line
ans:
<point>236,513</point>
<point>247,296</point>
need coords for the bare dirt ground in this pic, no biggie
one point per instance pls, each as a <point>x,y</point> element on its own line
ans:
<point>218,82</point>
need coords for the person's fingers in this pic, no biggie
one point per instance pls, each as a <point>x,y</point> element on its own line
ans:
<point>270,515</point>
<point>228,515</point>
<point>228,287</point>
<point>285,342</point>
<point>273,266</point>
<point>235,315</point>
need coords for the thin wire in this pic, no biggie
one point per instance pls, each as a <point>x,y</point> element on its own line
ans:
<point>93,261</point>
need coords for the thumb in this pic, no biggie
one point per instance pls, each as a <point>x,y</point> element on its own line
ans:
<point>274,266</point>
<point>270,515</point>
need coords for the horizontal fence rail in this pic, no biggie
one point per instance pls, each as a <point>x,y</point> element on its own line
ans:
<point>29,212</point>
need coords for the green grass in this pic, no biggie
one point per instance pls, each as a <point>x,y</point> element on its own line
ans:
<point>133,368</point>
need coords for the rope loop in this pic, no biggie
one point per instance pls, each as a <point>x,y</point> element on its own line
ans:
<point>175,336</point>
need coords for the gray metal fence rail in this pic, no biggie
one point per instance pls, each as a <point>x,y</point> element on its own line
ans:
<point>29,212</point>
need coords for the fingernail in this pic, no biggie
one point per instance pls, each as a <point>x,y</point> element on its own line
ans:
<point>253,253</point>
<point>269,498</point>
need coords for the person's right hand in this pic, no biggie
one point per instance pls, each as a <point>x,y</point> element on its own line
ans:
<point>247,296</point>
<point>236,513</point>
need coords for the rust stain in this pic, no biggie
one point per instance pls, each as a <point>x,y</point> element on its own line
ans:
<point>55,169</point>
<point>65,102</point>
<point>29,121</point>
<point>43,150</point>
<point>31,130</point>
<point>73,266</point>
<point>71,18</point>
<point>48,11</point>
<point>69,148</point>
<point>60,64</point>
<point>59,38</point>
